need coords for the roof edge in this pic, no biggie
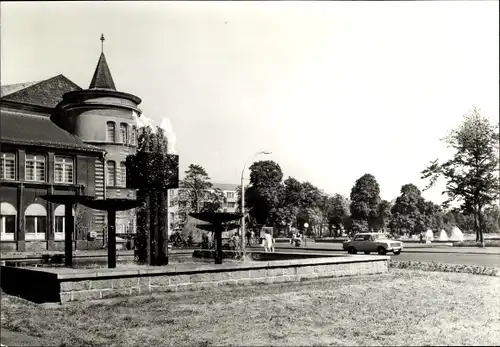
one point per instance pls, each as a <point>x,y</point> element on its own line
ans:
<point>102,92</point>
<point>25,106</point>
<point>84,148</point>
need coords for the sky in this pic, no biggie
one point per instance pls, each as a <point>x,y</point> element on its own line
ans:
<point>333,89</point>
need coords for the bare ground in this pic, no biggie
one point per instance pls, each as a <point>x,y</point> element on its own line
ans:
<point>404,307</point>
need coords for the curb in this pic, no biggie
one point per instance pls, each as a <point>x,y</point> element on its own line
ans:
<point>405,250</point>
<point>83,256</point>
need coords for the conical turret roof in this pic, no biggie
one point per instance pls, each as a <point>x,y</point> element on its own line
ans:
<point>102,76</point>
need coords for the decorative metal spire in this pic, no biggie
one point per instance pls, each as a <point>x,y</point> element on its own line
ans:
<point>102,43</point>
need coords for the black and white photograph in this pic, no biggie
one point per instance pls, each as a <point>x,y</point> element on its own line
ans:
<point>249,173</point>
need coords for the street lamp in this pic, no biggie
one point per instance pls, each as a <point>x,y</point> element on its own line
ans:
<point>243,198</point>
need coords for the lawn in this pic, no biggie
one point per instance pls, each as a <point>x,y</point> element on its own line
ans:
<point>404,307</point>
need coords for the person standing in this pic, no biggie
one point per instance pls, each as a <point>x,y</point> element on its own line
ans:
<point>249,238</point>
<point>268,242</point>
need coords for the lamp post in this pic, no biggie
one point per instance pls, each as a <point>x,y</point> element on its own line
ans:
<point>243,198</point>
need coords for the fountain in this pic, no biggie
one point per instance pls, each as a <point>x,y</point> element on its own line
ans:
<point>443,236</point>
<point>68,201</point>
<point>456,235</point>
<point>111,206</point>
<point>217,221</point>
<point>429,236</point>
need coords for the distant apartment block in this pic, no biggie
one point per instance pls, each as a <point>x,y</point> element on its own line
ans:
<point>229,205</point>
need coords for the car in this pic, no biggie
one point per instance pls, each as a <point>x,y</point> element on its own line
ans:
<point>372,242</point>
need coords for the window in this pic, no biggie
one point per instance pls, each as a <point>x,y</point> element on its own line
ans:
<point>111,182</point>
<point>172,202</point>
<point>110,127</point>
<point>123,175</point>
<point>133,138</point>
<point>35,168</point>
<point>365,237</point>
<point>230,194</point>
<point>231,204</point>
<point>59,222</point>
<point>8,167</point>
<point>123,133</point>
<point>36,222</point>
<point>63,170</point>
<point>8,215</point>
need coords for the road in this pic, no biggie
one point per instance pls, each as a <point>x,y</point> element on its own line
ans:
<point>450,255</point>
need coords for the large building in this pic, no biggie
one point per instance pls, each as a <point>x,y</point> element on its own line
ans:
<point>229,204</point>
<point>57,138</point>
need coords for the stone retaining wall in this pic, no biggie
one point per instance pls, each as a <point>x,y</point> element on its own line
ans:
<point>87,284</point>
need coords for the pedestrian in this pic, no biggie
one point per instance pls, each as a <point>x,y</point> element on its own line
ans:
<point>249,238</point>
<point>268,242</point>
<point>264,243</point>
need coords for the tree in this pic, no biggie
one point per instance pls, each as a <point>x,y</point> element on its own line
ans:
<point>214,202</point>
<point>412,214</point>
<point>406,212</point>
<point>316,219</point>
<point>365,200</point>
<point>432,215</point>
<point>290,200</point>
<point>197,183</point>
<point>491,219</point>
<point>472,173</point>
<point>257,208</point>
<point>153,171</point>
<point>384,215</point>
<point>311,198</point>
<point>262,197</point>
<point>455,217</point>
<point>337,213</point>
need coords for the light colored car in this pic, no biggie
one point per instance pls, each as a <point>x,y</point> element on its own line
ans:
<point>372,242</point>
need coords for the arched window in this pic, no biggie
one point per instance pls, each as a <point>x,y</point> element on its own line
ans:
<point>8,216</point>
<point>59,222</point>
<point>110,131</point>
<point>111,179</point>
<point>123,133</point>
<point>36,222</point>
<point>123,174</point>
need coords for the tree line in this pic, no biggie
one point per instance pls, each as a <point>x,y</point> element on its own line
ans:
<point>472,184</point>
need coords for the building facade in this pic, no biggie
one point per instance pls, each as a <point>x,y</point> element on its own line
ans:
<point>57,138</point>
<point>230,203</point>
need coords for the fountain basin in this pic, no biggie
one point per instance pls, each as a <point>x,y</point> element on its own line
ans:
<point>62,285</point>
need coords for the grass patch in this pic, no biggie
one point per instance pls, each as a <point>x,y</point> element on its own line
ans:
<point>404,307</point>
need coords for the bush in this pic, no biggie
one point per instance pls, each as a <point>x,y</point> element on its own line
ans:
<point>441,267</point>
